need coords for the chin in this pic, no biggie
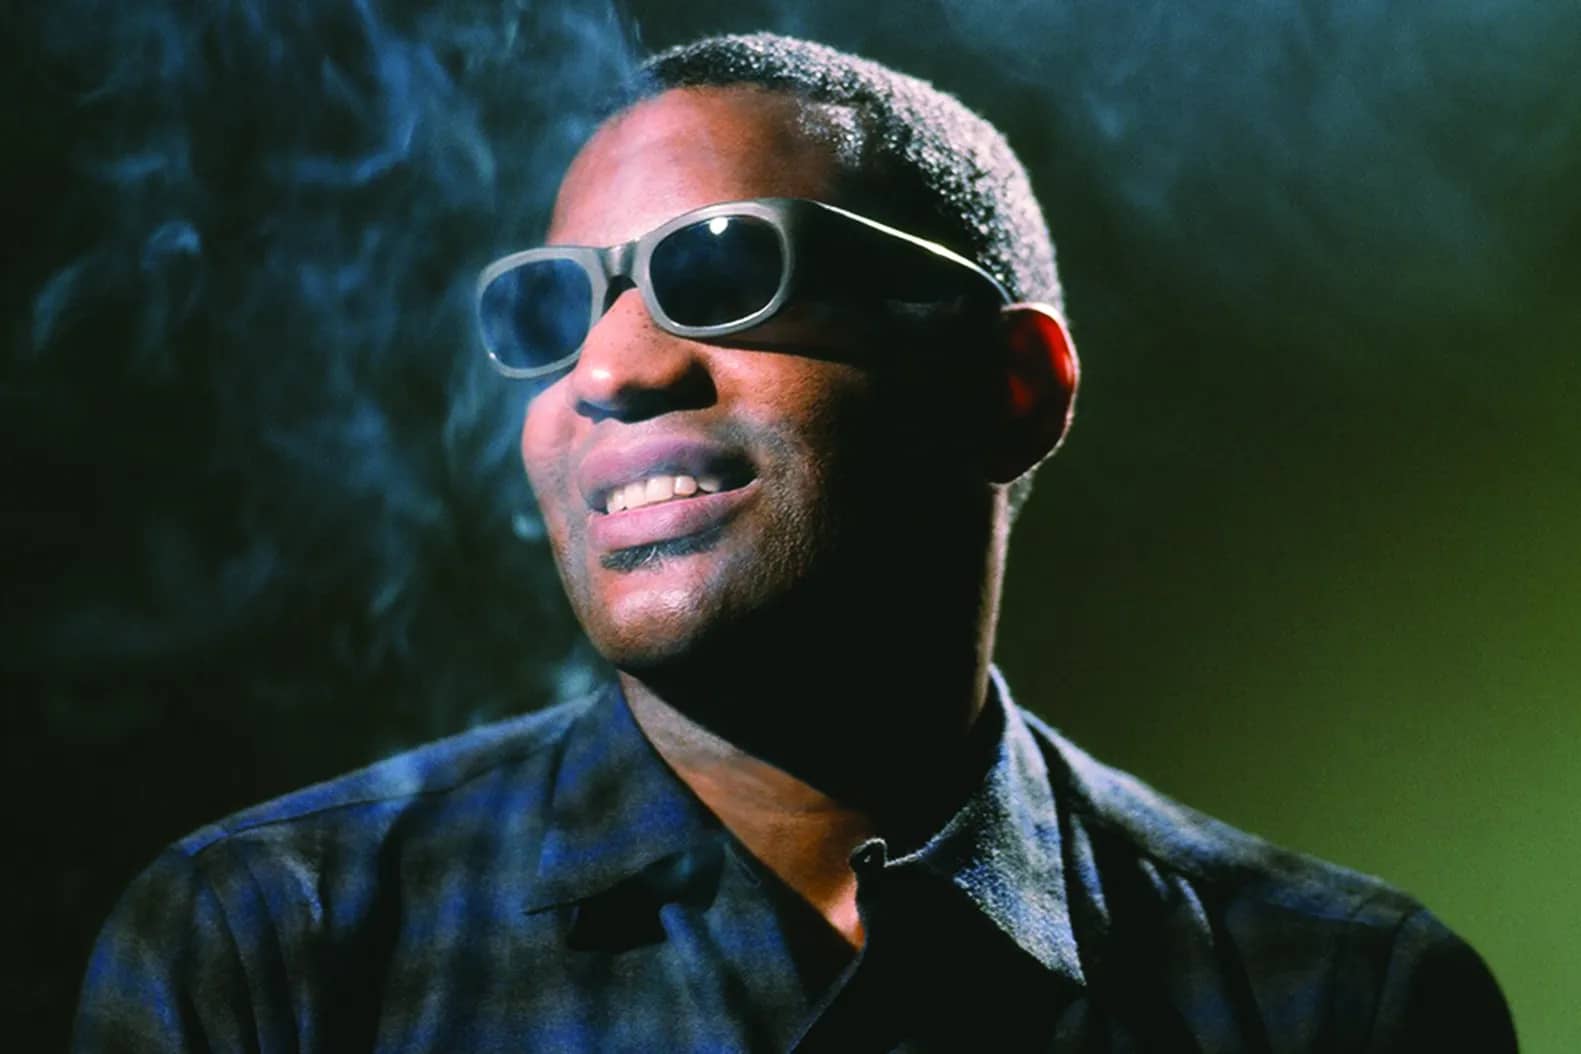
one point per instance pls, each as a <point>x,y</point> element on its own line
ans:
<point>643,647</point>
<point>647,620</point>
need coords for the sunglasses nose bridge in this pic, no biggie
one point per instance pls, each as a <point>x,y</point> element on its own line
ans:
<point>617,262</point>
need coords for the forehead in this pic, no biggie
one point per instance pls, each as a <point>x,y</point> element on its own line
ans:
<point>686,148</point>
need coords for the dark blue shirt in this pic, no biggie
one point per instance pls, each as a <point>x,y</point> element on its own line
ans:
<point>548,884</point>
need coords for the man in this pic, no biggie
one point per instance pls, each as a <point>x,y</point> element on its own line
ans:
<point>791,353</point>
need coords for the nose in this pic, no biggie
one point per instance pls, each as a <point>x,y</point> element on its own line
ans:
<point>630,369</point>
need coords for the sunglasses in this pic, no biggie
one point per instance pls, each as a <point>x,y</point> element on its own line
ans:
<point>718,270</point>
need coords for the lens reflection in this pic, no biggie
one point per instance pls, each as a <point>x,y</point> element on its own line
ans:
<point>716,271</point>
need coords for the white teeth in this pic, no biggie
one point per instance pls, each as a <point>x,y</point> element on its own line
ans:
<point>655,489</point>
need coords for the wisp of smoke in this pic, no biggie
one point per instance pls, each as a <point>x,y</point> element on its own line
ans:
<point>248,421</point>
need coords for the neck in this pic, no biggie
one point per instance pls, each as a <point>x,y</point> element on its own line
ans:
<point>802,834</point>
<point>809,731</point>
<point>803,758</point>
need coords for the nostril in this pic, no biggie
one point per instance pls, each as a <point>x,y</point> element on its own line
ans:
<point>689,390</point>
<point>631,370</point>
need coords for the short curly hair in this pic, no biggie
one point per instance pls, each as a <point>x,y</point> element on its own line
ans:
<point>918,158</point>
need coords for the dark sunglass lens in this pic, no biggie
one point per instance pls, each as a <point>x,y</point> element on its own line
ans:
<point>536,314</point>
<point>717,271</point>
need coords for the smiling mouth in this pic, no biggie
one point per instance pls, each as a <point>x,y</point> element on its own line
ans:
<point>655,490</point>
<point>665,488</point>
<point>667,520</point>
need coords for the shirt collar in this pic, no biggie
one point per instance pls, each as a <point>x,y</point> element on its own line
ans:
<point>614,807</point>
<point>1002,848</point>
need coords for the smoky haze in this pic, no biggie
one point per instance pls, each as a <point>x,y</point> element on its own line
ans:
<point>265,518</point>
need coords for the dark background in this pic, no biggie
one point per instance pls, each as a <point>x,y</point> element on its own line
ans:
<point>1308,561</point>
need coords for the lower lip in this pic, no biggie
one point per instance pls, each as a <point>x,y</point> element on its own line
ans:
<point>666,521</point>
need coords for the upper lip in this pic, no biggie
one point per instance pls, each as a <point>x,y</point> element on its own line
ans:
<point>614,465</point>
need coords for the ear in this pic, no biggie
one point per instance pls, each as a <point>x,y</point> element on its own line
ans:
<point>1033,392</point>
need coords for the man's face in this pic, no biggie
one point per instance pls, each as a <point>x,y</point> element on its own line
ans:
<point>785,447</point>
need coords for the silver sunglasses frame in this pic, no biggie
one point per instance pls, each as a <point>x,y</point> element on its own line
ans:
<point>631,260</point>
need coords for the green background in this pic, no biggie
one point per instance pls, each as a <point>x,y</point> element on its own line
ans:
<point>1309,559</point>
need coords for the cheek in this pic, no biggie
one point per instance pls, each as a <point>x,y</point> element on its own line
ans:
<point>847,419</point>
<point>820,404</point>
<point>878,441</point>
<point>545,445</point>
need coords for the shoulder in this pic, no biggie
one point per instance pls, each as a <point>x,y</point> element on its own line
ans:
<point>433,775</point>
<point>291,900</point>
<point>1306,940</point>
<point>323,863</point>
<point>1174,838</point>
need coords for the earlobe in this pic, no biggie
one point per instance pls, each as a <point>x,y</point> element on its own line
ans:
<point>1034,396</point>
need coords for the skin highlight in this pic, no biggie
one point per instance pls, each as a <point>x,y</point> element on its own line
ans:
<point>813,665</point>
